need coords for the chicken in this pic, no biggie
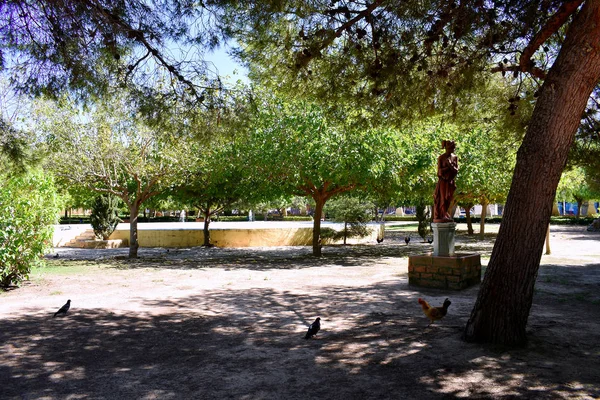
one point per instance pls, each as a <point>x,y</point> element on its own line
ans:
<point>435,313</point>
<point>379,240</point>
<point>63,309</point>
<point>407,239</point>
<point>313,328</point>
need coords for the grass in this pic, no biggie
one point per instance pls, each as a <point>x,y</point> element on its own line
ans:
<point>407,227</point>
<point>63,268</point>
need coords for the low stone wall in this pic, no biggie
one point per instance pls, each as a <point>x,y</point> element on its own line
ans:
<point>455,272</point>
<point>104,244</point>
<point>297,236</point>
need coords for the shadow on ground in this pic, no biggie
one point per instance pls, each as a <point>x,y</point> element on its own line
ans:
<point>266,258</point>
<point>248,344</point>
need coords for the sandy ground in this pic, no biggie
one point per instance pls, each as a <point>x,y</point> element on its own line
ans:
<point>229,323</point>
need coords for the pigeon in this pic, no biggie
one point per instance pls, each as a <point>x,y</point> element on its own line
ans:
<point>63,309</point>
<point>407,239</point>
<point>313,328</point>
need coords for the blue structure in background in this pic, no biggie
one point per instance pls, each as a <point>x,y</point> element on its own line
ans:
<point>571,208</point>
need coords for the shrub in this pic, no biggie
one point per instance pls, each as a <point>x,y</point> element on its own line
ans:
<point>105,216</point>
<point>28,207</point>
<point>424,218</point>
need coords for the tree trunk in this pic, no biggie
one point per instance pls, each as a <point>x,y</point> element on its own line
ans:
<point>502,308</point>
<point>548,252</point>
<point>133,231</point>
<point>206,213</point>
<point>468,217</point>
<point>579,204</point>
<point>316,242</point>
<point>345,232</point>
<point>484,207</point>
<point>555,211</point>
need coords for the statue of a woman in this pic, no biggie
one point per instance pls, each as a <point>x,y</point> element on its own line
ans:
<point>444,190</point>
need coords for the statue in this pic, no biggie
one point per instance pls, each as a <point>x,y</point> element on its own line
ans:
<point>444,190</point>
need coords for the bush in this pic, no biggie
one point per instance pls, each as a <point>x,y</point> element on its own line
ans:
<point>399,218</point>
<point>105,216</point>
<point>563,220</point>
<point>424,218</point>
<point>28,208</point>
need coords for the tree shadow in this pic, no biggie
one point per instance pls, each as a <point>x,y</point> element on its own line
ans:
<point>374,343</point>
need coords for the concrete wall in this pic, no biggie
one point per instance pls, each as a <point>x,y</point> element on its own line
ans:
<point>63,234</point>
<point>231,237</point>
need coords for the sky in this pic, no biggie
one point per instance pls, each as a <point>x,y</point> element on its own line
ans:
<point>226,66</point>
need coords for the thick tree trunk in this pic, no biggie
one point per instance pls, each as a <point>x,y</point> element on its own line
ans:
<point>133,231</point>
<point>484,206</point>
<point>502,308</point>
<point>316,241</point>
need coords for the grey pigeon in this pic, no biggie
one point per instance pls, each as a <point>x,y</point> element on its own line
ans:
<point>313,328</point>
<point>63,309</point>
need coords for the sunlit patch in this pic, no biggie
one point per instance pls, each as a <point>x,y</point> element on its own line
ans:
<point>227,330</point>
<point>71,374</point>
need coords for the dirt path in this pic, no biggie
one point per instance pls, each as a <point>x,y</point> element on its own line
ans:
<point>229,323</point>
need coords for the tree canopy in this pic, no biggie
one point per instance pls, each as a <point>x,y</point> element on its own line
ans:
<point>295,149</point>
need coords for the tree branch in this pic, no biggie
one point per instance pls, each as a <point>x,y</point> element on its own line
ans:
<point>535,71</point>
<point>304,58</point>
<point>551,27</point>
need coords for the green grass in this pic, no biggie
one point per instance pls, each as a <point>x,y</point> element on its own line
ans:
<point>60,267</point>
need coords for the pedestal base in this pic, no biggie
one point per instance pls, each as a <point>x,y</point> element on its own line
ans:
<point>443,238</point>
<point>456,272</point>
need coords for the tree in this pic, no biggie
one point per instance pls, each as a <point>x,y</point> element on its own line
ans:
<point>212,181</point>
<point>110,151</point>
<point>354,212</point>
<point>294,149</point>
<point>28,208</point>
<point>434,54</point>
<point>486,164</point>
<point>105,216</point>
<point>574,185</point>
<point>94,47</point>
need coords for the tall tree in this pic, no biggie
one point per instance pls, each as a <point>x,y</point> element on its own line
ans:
<point>213,178</point>
<point>423,56</point>
<point>296,150</point>
<point>110,151</point>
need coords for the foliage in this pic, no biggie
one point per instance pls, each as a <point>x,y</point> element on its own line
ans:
<point>295,149</point>
<point>93,48</point>
<point>109,150</point>
<point>28,208</point>
<point>105,216</point>
<point>575,186</point>
<point>353,212</point>
<point>423,215</point>
<point>398,59</point>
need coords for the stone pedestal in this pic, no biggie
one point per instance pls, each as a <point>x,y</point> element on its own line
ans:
<point>443,238</point>
<point>453,272</point>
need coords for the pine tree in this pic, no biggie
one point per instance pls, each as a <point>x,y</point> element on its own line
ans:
<point>105,216</point>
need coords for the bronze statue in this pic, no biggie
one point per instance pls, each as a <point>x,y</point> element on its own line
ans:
<point>444,190</point>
